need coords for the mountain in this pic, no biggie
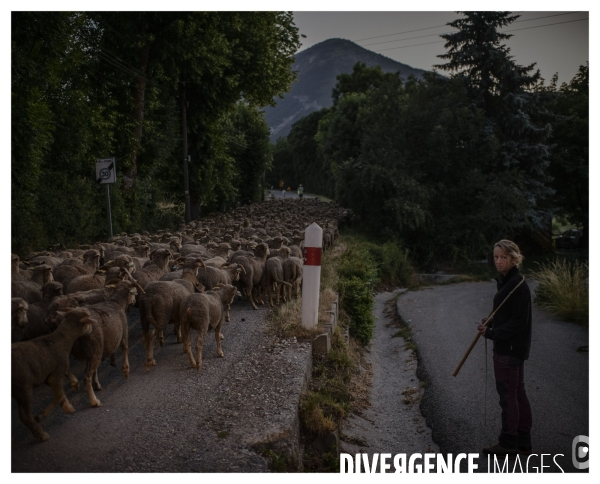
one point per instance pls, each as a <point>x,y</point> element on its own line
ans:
<point>318,67</point>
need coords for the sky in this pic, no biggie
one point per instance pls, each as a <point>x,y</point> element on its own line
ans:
<point>558,41</point>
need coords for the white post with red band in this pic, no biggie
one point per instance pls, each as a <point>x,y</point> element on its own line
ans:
<point>311,275</point>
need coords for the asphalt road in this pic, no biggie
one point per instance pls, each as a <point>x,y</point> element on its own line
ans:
<point>443,321</point>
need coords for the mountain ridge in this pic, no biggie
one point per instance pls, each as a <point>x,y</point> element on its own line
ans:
<point>318,67</point>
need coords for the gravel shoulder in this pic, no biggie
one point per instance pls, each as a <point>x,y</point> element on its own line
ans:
<point>443,321</point>
<point>172,418</point>
<point>393,422</point>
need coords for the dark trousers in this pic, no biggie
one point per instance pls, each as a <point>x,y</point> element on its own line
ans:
<point>516,411</point>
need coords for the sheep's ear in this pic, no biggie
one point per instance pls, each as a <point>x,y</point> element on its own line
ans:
<point>133,291</point>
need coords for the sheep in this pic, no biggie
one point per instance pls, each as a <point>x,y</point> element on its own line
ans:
<point>253,269</point>
<point>201,312</point>
<point>213,276</point>
<point>46,360</point>
<point>36,321</point>
<point>292,273</point>
<point>109,332</point>
<point>72,268</point>
<point>156,269</point>
<point>18,318</point>
<point>272,280</point>
<point>160,305</point>
<point>31,290</point>
<point>87,282</point>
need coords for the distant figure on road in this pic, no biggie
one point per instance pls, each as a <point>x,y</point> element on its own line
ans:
<point>283,193</point>
<point>511,333</point>
<point>300,191</point>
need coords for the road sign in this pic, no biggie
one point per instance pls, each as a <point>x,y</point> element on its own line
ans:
<point>106,171</point>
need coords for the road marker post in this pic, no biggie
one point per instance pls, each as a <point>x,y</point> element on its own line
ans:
<point>311,276</point>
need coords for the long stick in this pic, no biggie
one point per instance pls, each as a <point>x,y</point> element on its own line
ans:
<point>488,320</point>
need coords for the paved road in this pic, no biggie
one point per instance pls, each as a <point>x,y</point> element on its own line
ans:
<point>172,418</point>
<point>556,375</point>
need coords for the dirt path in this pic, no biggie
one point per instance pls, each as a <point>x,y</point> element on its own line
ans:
<point>393,423</point>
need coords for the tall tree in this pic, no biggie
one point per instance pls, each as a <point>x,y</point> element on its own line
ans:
<point>517,118</point>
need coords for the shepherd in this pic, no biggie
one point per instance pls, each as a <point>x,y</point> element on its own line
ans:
<point>510,330</point>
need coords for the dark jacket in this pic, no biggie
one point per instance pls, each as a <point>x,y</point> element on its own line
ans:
<point>511,325</point>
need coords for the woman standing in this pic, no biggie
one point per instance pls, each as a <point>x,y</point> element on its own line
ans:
<point>511,333</point>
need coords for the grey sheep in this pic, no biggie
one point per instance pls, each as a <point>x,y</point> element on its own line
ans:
<point>202,311</point>
<point>109,332</point>
<point>31,290</point>
<point>45,360</point>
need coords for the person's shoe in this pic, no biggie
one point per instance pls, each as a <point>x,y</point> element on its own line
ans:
<point>500,451</point>
<point>525,451</point>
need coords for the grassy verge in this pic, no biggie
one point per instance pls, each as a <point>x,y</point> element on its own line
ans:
<point>353,269</point>
<point>564,289</point>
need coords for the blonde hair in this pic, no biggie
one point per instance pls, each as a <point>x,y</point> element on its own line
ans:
<point>511,249</point>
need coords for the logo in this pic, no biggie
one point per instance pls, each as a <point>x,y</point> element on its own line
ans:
<point>581,452</point>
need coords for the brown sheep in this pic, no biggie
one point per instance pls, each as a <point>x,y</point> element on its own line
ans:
<point>18,318</point>
<point>109,332</point>
<point>201,312</point>
<point>212,276</point>
<point>272,280</point>
<point>31,290</point>
<point>156,269</point>
<point>253,269</point>
<point>45,360</point>
<point>87,282</point>
<point>292,273</point>
<point>72,268</point>
<point>160,305</point>
<point>37,324</point>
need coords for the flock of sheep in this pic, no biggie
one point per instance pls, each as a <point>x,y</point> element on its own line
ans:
<point>74,301</point>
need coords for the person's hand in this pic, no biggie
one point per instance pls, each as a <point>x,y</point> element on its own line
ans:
<point>482,328</point>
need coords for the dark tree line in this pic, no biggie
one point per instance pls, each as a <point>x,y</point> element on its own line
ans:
<point>88,85</point>
<point>448,165</point>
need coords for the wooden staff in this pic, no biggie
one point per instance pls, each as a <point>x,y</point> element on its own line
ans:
<point>488,320</point>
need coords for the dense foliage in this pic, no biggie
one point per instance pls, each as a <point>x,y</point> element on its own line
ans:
<point>449,165</point>
<point>110,84</point>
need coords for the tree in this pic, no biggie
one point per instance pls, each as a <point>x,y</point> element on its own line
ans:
<point>569,163</point>
<point>517,118</point>
<point>362,79</point>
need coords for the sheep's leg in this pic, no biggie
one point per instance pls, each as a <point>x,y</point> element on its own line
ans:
<point>187,345</point>
<point>26,416</point>
<point>55,383</point>
<point>72,380</point>
<point>113,360</point>
<point>150,361</point>
<point>125,350</point>
<point>90,377</point>
<point>177,330</point>
<point>227,306</point>
<point>218,338</point>
<point>96,382</point>
<point>249,292</point>
<point>161,338</point>
<point>199,345</point>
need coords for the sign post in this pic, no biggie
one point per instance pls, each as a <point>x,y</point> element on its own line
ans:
<point>106,173</point>
<point>311,275</point>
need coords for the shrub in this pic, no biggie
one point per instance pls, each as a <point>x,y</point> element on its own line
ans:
<point>356,296</point>
<point>563,289</point>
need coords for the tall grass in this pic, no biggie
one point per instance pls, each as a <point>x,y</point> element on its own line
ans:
<point>563,289</point>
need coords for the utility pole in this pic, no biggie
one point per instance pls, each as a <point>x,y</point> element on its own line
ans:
<point>186,180</point>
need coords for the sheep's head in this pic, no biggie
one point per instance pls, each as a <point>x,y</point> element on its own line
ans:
<point>52,289</point>
<point>78,316</point>
<point>19,309</point>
